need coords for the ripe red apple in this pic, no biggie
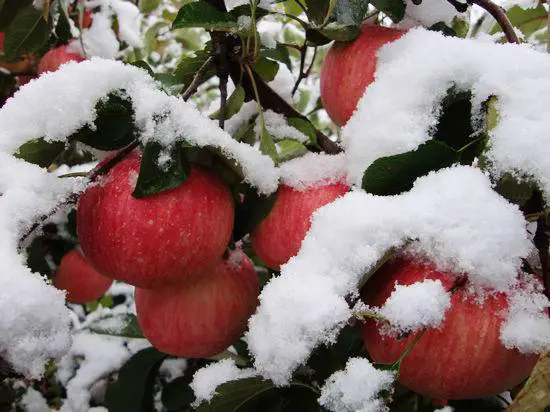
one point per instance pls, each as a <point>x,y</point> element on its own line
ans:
<point>54,58</point>
<point>349,68</point>
<point>160,239</point>
<point>203,317</point>
<point>464,358</point>
<point>79,278</point>
<point>278,237</point>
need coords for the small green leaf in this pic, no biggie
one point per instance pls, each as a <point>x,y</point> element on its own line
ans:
<point>234,104</point>
<point>251,211</point>
<point>279,53</point>
<point>147,6</point>
<point>392,175</point>
<point>305,127</point>
<point>177,395</point>
<point>340,32</point>
<point>133,390</point>
<point>124,324</point>
<point>204,15</point>
<point>9,10</point>
<point>527,20</point>
<point>395,9</point>
<point>27,33</point>
<point>188,67</point>
<point>157,175</point>
<point>317,10</point>
<point>516,191</point>
<point>114,125</point>
<point>40,152</point>
<point>315,38</point>
<point>351,12</point>
<point>266,68</point>
<point>142,64</point>
<point>267,145</point>
<point>289,149</point>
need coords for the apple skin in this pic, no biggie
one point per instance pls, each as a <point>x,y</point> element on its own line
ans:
<point>349,68</point>
<point>79,278</point>
<point>279,236</point>
<point>54,58</point>
<point>201,318</point>
<point>160,239</point>
<point>463,359</point>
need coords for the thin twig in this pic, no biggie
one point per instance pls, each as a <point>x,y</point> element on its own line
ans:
<point>499,14</point>
<point>198,78</point>
<point>303,53</point>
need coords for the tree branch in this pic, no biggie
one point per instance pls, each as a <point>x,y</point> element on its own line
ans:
<point>197,79</point>
<point>499,14</point>
<point>222,70</point>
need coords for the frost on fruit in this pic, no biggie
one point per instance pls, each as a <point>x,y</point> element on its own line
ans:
<point>314,170</point>
<point>414,74</point>
<point>357,388</point>
<point>452,217</point>
<point>36,329</point>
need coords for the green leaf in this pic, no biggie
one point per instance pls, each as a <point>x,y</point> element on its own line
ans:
<point>147,6</point>
<point>142,64</point>
<point>114,125</point>
<point>231,396</point>
<point>123,324</point>
<point>279,53</point>
<point>40,152</point>
<point>267,146</point>
<point>266,68</point>
<point>27,33</point>
<point>289,149</point>
<point>340,32</point>
<point>395,9</point>
<point>305,127</point>
<point>251,211</point>
<point>234,104</point>
<point>315,38</point>
<point>133,390</point>
<point>177,395</point>
<point>188,67</point>
<point>154,177</point>
<point>351,12</point>
<point>9,9</point>
<point>2,3</point>
<point>516,191</point>
<point>204,15</point>
<point>454,125</point>
<point>527,20</point>
<point>392,175</point>
<point>317,10</point>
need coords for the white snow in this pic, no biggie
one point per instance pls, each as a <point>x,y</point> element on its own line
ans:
<point>479,233</point>
<point>357,388</point>
<point>207,379</point>
<point>420,305</point>
<point>33,401</point>
<point>429,12</point>
<point>314,170</point>
<point>99,40</point>
<point>412,77</point>
<point>278,128</point>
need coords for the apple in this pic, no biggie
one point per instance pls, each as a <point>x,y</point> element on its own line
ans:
<point>159,239</point>
<point>79,278</point>
<point>349,68</point>
<point>54,58</point>
<point>278,237</point>
<point>464,358</point>
<point>203,317</point>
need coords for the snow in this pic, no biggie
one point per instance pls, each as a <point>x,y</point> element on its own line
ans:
<point>244,23</point>
<point>99,40</point>
<point>479,234</point>
<point>278,128</point>
<point>428,13</point>
<point>420,305</point>
<point>207,379</point>
<point>357,388</point>
<point>412,77</point>
<point>313,170</point>
<point>33,401</point>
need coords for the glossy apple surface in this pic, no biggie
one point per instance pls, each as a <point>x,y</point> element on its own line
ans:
<point>203,317</point>
<point>54,58</point>
<point>80,279</point>
<point>279,236</point>
<point>159,239</point>
<point>349,68</point>
<point>463,359</point>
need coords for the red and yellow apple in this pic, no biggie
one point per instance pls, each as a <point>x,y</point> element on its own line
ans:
<point>159,239</point>
<point>462,359</point>
<point>202,317</point>
<point>54,58</point>
<point>349,68</point>
<point>79,278</point>
<point>278,237</point>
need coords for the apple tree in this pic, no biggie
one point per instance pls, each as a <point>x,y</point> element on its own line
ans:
<point>262,205</point>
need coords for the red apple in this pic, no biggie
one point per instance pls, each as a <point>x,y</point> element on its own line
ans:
<point>79,278</point>
<point>279,236</point>
<point>160,239</point>
<point>349,68</point>
<point>203,317</point>
<point>54,58</point>
<point>462,359</point>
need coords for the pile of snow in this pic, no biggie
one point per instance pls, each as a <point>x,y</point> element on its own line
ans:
<point>278,128</point>
<point>414,74</point>
<point>207,379</point>
<point>313,170</point>
<point>456,220</point>
<point>357,388</point>
<point>428,13</point>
